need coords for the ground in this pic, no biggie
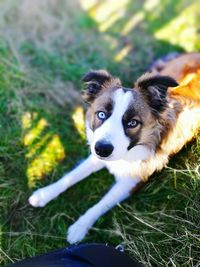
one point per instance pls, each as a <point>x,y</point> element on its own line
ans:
<point>45,48</point>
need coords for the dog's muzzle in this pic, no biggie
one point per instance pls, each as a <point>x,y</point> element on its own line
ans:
<point>103,149</point>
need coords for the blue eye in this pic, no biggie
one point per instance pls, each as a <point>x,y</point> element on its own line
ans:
<point>132,123</point>
<point>101,115</point>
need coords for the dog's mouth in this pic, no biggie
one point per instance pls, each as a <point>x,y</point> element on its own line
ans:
<point>110,158</point>
<point>101,157</point>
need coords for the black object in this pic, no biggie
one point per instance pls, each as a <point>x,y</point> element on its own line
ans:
<point>89,255</point>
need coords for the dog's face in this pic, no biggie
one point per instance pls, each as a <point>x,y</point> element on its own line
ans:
<point>121,119</point>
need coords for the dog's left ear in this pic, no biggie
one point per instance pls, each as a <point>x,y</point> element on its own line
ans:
<point>95,81</point>
<point>154,88</point>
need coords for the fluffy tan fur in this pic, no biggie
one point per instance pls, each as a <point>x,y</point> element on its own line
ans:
<point>182,123</point>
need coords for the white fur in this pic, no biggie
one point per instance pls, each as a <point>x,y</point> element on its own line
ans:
<point>122,164</point>
<point>120,191</point>
<point>130,164</point>
<point>42,196</point>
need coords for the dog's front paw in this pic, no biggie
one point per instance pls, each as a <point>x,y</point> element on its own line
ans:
<point>78,230</point>
<point>39,198</point>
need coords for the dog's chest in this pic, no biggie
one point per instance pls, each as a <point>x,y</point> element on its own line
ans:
<point>122,169</point>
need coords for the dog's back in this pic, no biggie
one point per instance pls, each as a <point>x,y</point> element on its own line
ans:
<point>186,70</point>
<point>181,66</point>
<point>181,120</point>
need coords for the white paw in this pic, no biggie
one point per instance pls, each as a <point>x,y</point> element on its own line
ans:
<point>78,230</point>
<point>39,198</point>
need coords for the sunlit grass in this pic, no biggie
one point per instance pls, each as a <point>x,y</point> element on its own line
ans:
<point>51,150</point>
<point>105,25</point>
<point>34,132</point>
<point>105,13</point>
<point>27,119</point>
<point>149,5</point>
<point>79,122</point>
<point>43,164</point>
<point>122,53</point>
<point>183,29</point>
<point>131,23</point>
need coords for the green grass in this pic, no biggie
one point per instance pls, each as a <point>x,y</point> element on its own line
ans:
<point>44,51</point>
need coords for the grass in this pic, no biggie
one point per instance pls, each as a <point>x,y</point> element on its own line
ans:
<point>45,48</point>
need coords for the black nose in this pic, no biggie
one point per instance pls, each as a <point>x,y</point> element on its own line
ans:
<point>103,149</point>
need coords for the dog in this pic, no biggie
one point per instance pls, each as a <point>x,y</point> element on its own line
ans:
<point>132,131</point>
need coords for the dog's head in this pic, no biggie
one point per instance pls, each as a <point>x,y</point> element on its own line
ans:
<point>119,119</point>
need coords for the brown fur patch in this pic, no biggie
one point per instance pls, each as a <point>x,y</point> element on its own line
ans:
<point>97,82</point>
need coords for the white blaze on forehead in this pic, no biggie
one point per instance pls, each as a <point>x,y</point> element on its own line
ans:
<point>121,102</point>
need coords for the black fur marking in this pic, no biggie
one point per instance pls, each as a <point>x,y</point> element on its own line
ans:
<point>132,134</point>
<point>91,90</point>
<point>94,81</point>
<point>109,107</point>
<point>155,90</point>
<point>163,81</point>
<point>129,114</point>
<point>100,76</point>
<point>93,87</point>
<point>133,142</point>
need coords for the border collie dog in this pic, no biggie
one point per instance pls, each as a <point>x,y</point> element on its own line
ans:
<point>132,131</point>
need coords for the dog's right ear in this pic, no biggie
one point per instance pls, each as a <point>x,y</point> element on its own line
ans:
<point>94,81</point>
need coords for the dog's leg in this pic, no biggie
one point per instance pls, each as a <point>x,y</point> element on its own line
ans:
<point>120,191</point>
<point>43,195</point>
